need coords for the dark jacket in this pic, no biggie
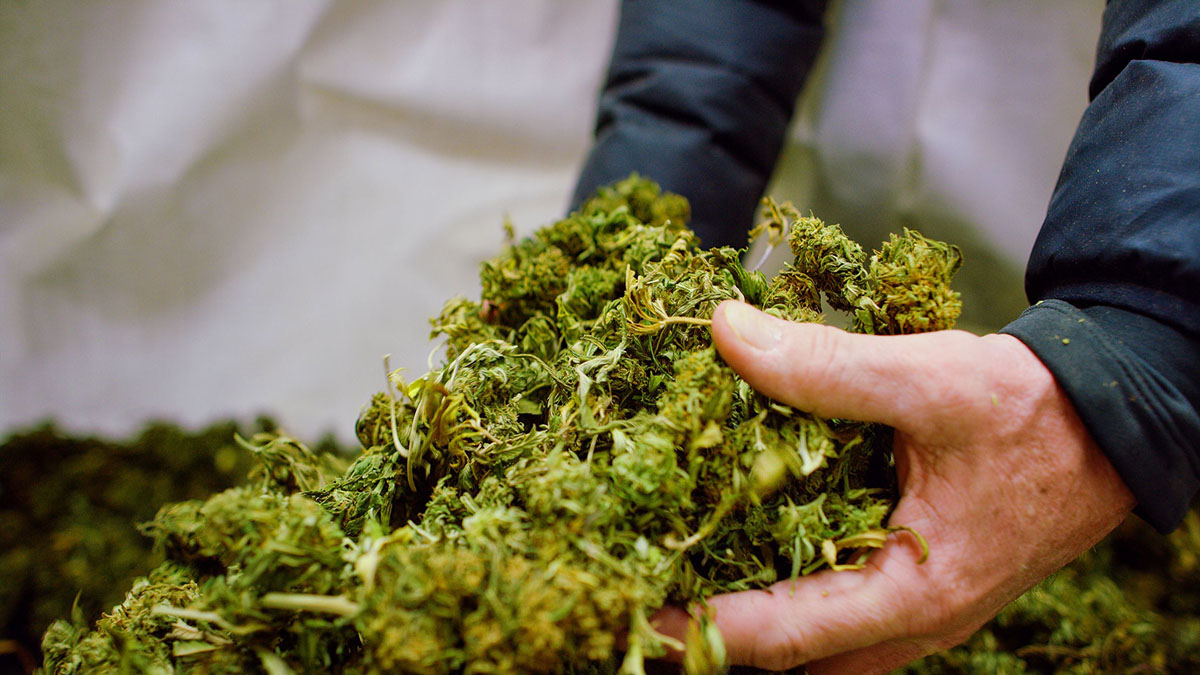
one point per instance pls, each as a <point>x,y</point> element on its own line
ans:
<point>699,96</point>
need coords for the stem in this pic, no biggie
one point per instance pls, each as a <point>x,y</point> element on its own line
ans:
<point>661,323</point>
<point>208,617</point>
<point>687,319</point>
<point>308,602</point>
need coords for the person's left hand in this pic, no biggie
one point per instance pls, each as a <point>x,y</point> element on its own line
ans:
<point>996,471</point>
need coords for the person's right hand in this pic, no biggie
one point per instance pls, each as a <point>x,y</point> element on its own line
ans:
<point>996,471</point>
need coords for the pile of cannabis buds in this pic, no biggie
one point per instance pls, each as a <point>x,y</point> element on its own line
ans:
<point>581,458</point>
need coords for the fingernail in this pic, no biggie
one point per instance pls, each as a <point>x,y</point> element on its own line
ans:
<point>753,327</point>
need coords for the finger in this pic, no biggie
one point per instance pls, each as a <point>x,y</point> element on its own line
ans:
<point>828,613</point>
<point>832,373</point>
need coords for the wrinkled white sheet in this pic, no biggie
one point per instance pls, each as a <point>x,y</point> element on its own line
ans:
<point>213,209</point>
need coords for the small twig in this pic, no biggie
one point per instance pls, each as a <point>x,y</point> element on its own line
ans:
<point>309,602</point>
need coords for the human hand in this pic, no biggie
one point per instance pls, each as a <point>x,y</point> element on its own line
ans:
<point>995,469</point>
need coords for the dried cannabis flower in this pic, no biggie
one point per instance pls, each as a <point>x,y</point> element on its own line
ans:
<point>581,458</point>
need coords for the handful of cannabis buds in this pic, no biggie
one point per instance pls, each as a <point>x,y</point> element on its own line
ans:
<point>581,458</point>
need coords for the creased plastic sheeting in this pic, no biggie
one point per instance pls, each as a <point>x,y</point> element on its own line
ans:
<point>219,209</point>
<point>214,209</point>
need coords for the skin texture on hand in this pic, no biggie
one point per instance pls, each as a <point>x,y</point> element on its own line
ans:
<point>996,472</point>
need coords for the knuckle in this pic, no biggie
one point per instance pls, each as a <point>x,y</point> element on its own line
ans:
<point>816,363</point>
<point>778,647</point>
<point>780,659</point>
<point>968,383</point>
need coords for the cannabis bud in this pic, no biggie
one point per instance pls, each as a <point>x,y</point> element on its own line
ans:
<point>580,458</point>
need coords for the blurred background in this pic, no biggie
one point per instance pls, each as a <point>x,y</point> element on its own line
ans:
<point>214,210</point>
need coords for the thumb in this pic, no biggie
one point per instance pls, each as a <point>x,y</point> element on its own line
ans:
<point>832,373</point>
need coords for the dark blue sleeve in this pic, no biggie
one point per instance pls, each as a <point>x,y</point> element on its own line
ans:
<point>1118,258</point>
<point>698,98</point>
